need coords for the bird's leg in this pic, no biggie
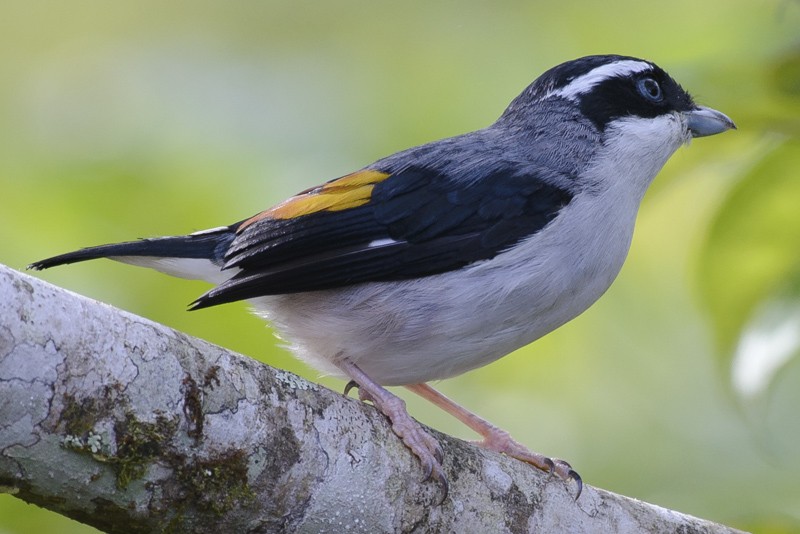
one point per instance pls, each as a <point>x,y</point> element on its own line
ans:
<point>422,444</point>
<point>497,439</point>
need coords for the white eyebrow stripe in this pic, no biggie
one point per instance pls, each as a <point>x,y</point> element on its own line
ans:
<point>583,84</point>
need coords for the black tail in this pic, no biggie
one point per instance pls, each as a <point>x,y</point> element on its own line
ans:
<point>210,245</point>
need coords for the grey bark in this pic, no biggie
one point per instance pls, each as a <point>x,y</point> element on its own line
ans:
<point>130,426</point>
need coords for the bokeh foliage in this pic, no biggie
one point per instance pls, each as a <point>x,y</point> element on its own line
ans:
<point>138,119</point>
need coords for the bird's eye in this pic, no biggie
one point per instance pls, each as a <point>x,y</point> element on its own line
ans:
<point>650,89</point>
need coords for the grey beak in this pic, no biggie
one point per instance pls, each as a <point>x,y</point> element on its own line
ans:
<point>703,121</point>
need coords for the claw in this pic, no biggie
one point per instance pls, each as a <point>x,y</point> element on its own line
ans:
<point>575,477</point>
<point>350,385</point>
<point>442,480</point>
<point>438,453</point>
<point>550,465</point>
<point>565,471</point>
<point>428,467</point>
<point>433,471</point>
<point>562,463</point>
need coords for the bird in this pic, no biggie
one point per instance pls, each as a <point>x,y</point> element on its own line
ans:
<point>444,257</point>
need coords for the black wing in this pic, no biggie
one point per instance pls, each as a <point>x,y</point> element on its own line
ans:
<point>375,226</point>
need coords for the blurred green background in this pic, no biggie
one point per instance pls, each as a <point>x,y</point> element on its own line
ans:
<point>680,387</point>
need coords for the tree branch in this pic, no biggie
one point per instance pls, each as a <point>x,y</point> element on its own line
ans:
<point>130,426</point>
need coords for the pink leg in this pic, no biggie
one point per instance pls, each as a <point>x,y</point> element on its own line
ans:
<point>496,439</point>
<point>422,444</point>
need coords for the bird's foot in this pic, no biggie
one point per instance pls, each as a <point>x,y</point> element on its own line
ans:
<point>496,439</point>
<point>499,440</point>
<point>419,441</point>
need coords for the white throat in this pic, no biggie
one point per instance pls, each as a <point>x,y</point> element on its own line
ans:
<point>635,150</point>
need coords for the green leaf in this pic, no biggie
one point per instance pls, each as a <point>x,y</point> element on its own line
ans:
<point>749,265</point>
<point>769,341</point>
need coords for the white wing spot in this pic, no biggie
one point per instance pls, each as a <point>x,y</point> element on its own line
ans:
<point>381,242</point>
<point>210,230</point>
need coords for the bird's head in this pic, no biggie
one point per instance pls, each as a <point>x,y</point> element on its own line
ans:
<point>609,88</point>
<point>639,113</point>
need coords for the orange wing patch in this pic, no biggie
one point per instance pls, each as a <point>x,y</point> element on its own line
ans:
<point>349,191</point>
